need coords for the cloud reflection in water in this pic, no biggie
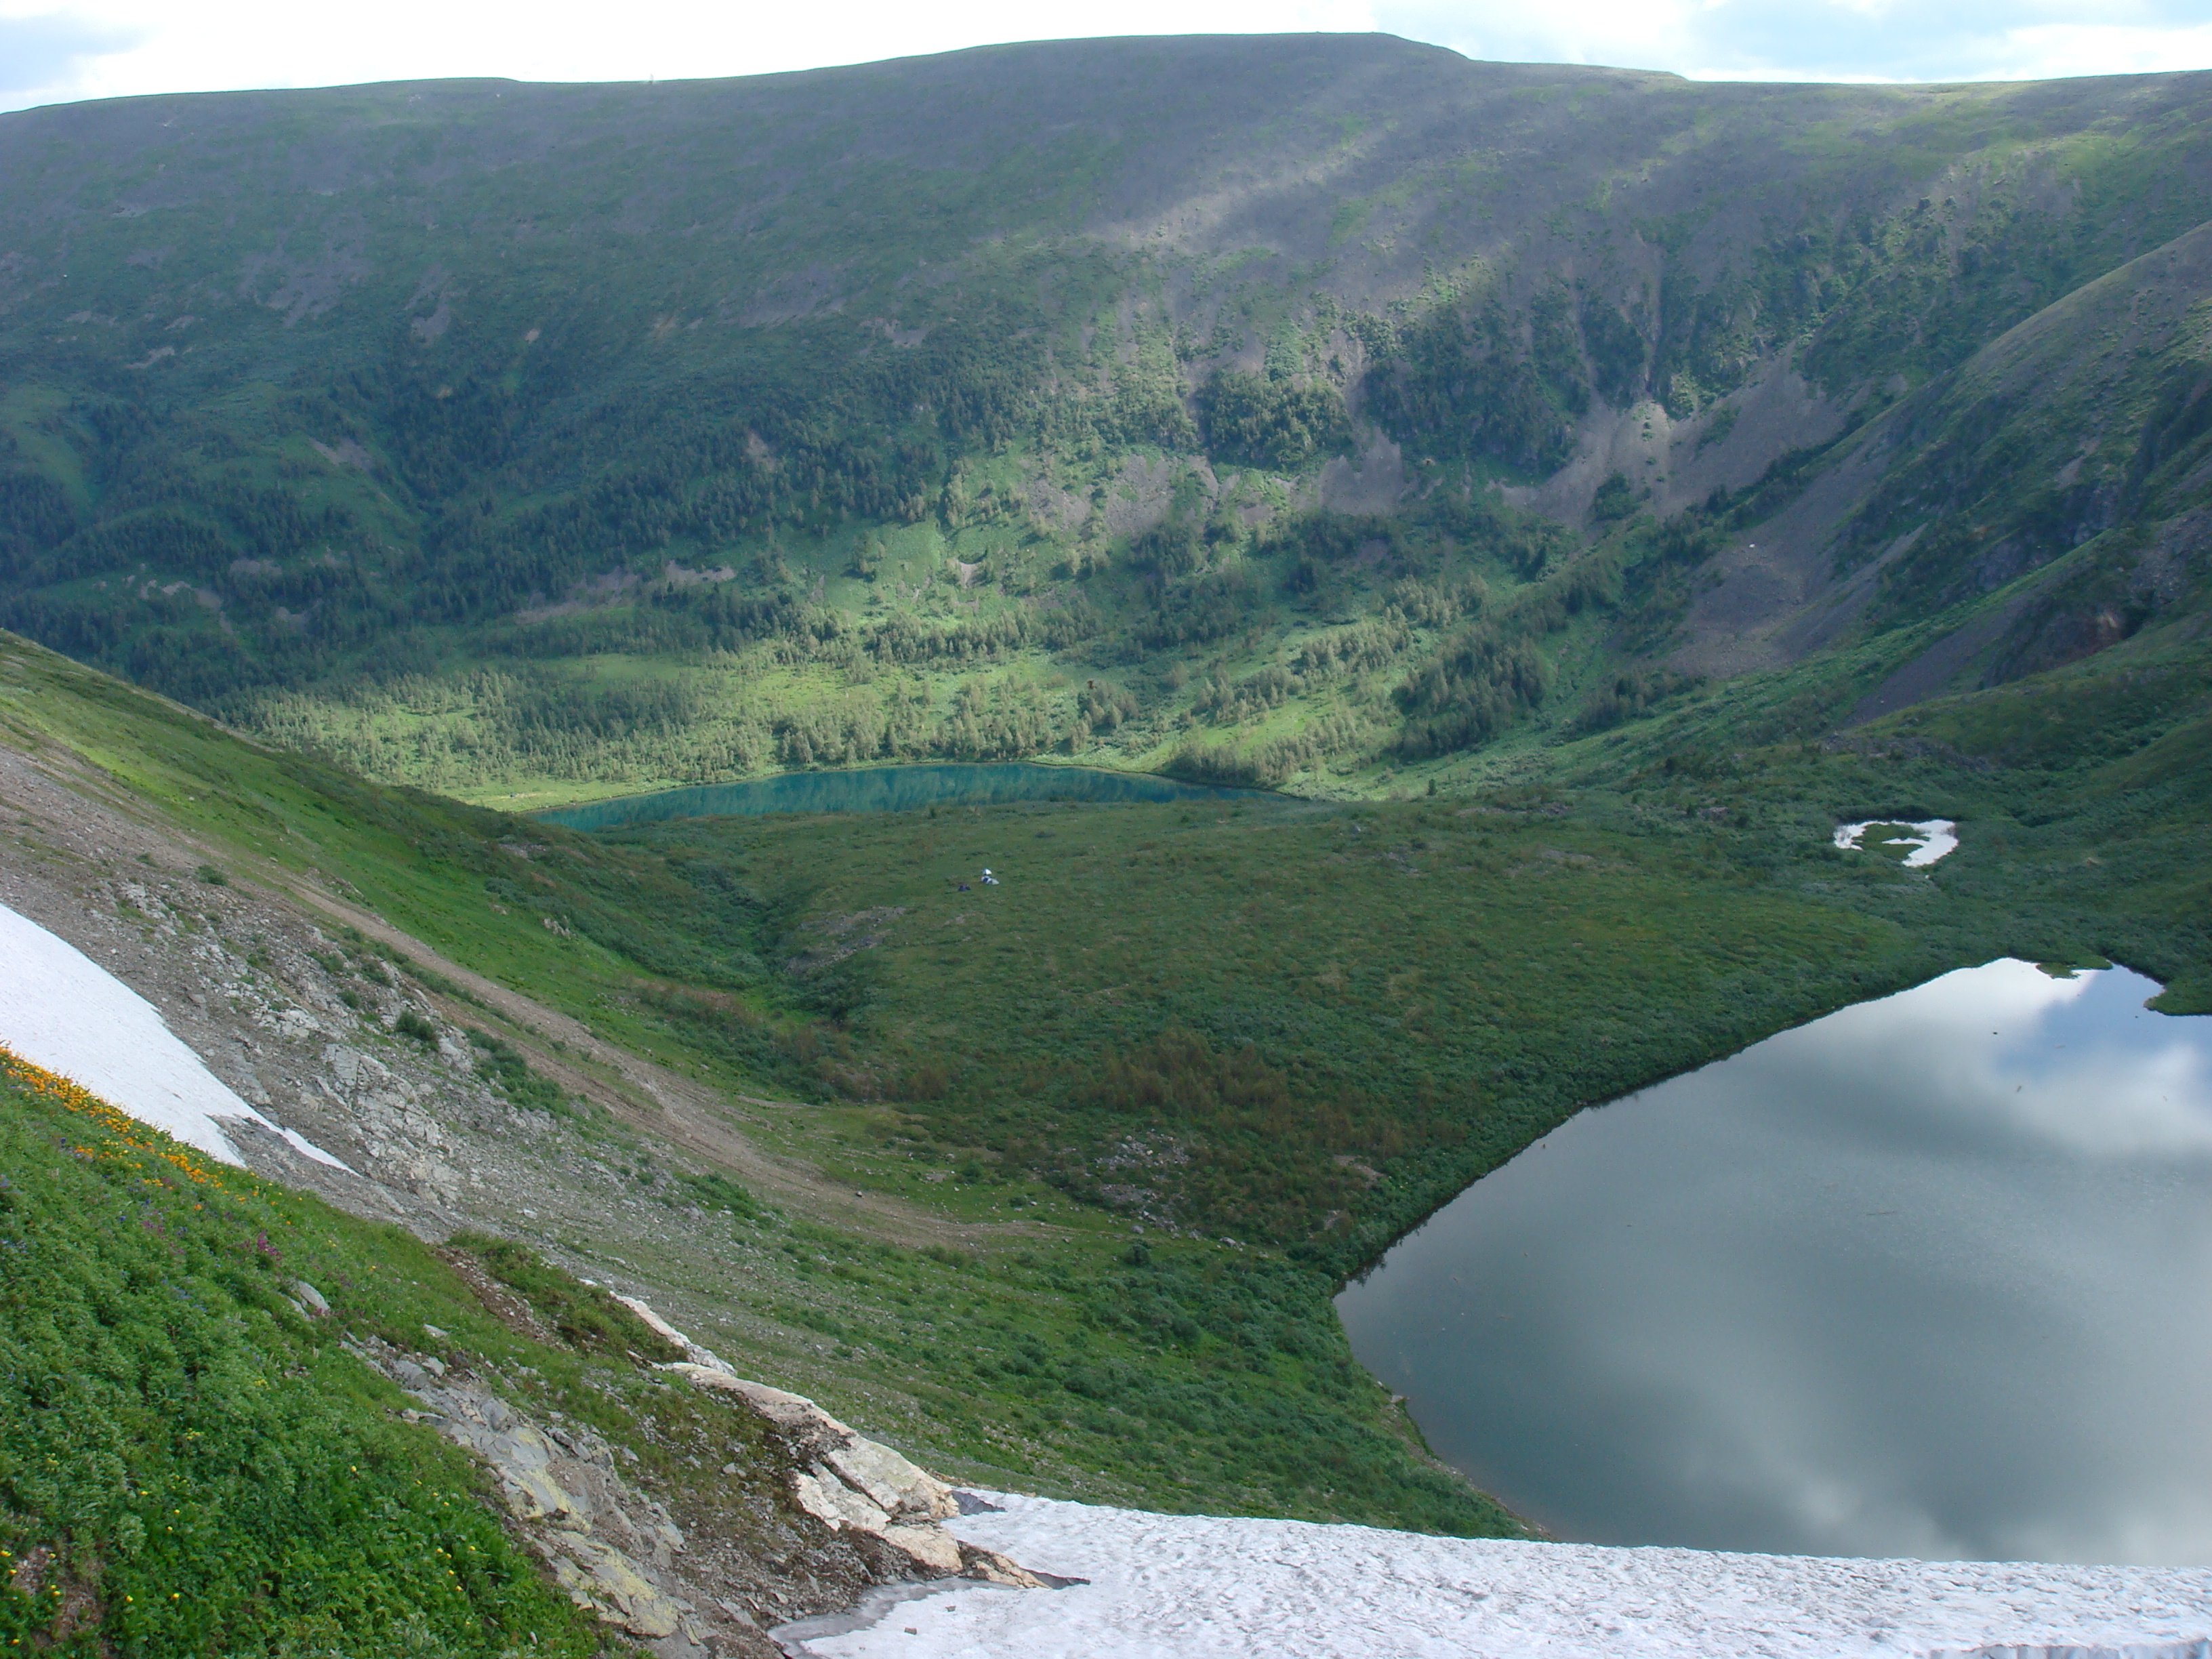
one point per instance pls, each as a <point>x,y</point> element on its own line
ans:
<point>1932,1276</point>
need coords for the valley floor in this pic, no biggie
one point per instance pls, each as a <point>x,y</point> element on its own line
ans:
<point>1231,1589</point>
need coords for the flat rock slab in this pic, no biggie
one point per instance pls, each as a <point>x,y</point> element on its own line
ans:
<point>1224,1588</point>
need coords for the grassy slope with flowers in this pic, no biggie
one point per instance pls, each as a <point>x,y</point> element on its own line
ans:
<point>187,1466</point>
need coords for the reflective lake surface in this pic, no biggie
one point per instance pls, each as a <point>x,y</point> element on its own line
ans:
<point>1930,1277</point>
<point>891,789</point>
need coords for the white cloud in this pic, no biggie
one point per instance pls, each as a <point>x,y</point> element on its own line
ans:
<point>2057,49</point>
<point>1828,39</point>
<point>226,44</point>
<point>47,54</point>
<point>2141,1090</point>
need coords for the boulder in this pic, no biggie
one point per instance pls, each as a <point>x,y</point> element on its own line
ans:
<point>835,1504</point>
<point>798,1418</point>
<point>929,1546</point>
<point>894,1484</point>
<point>993,1568</point>
<point>693,1352</point>
<point>610,1583</point>
<point>847,1481</point>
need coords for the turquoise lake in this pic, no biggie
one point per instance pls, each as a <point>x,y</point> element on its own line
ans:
<point>1931,1276</point>
<point>891,789</point>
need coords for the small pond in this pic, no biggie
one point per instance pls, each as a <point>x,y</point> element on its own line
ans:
<point>892,789</point>
<point>1931,1276</point>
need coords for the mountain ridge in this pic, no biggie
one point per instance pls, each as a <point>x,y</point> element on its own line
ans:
<point>510,438</point>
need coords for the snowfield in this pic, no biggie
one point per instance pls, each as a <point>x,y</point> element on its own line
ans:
<point>61,1010</point>
<point>1930,840</point>
<point>1220,1588</point>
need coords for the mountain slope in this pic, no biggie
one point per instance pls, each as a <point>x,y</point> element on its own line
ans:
<point>505,437</point>
<point>493,1048</point>
<point>2083,427</point>
<point>2088,423</point>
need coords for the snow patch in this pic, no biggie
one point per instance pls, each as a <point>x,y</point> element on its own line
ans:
<point>1227,1589</point>
<point>63,1011</point>
<point>1931,839</point>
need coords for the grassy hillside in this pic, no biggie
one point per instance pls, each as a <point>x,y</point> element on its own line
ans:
<point>1287,1022</point>
<point>1298,1025</point>
<point>1194,1376</point>
<point>191,1465</point>
<point>1311,1025</point>
<point>1294,1025</point>
<point>1139,399</point>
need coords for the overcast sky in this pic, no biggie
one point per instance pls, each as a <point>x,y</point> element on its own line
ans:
<point>51,52</point>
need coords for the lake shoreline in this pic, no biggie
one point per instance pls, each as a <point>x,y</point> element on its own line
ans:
<point>907,787</point>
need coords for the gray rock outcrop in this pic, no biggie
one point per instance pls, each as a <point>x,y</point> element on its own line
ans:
<point>847,1481</point>
<point>612,1547</point>
<point>620,1554</point>
<point>844,1479</point>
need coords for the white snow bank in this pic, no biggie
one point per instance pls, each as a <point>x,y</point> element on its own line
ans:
<point>1215,1589</point>
<point>1930,840</point>
<point>61,1010</point>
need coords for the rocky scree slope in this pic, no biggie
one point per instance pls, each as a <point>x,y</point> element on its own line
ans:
<point>620,1554</point>
<point>804,1512</point>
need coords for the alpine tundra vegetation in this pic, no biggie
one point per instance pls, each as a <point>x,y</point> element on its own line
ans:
<point>1661,561</point>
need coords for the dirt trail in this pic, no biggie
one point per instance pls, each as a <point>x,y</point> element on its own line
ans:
<point>73,805</point>
<point>662,1103</point>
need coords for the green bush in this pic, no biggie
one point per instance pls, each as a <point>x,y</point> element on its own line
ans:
<point>500,1063</point>
<point>413,1025</point>
<point>586,1317</point>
